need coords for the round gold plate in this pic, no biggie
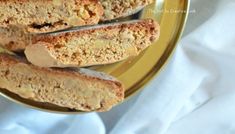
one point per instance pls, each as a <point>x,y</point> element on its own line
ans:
<point>136,72</point>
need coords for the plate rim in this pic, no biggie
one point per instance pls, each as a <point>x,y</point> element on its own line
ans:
<point>140,87</point>
<point>165,61</point>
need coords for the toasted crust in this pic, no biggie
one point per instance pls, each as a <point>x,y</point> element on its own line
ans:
<point>79,89</point>
<point>103,44</point>
<point>38,16</point>
<point>121,8</point>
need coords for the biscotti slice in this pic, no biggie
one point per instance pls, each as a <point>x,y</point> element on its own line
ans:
<point>103,44</point>
<point>79,89</point>
<point>121,8</point>
<point>40,16</point>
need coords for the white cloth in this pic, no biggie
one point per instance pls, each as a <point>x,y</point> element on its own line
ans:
<point>194,94</point>
<point>16,119</point>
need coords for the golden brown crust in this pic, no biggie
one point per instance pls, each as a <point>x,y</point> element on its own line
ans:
<point>99,91</point>
<point>49,15</point>
<point>103,44</point>
<point>148,24</point>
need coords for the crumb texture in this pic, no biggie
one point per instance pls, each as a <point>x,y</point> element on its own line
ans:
<point>94,46</point>
<point>121,8</point>
<point>77,90</point>
<point>49,15</point>
<point>14,38</point>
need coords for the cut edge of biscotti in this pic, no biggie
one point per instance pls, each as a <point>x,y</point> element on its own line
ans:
<point>96,45</point>
<point>122,8</point>
<point>48,16</point>
<point>14,38</point>
<point>79,89</point>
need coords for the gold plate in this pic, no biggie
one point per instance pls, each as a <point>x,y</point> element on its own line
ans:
<point>136,72</point>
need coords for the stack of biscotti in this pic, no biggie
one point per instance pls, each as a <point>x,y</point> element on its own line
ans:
<point>19,18</point>
<point>40,16</point>
<point>58,37</point>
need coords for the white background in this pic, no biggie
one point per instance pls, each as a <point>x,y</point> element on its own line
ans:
<point>195,94</point>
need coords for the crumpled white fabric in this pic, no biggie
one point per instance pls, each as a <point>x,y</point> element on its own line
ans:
<point>194,94</point>
<point>15,119</point>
